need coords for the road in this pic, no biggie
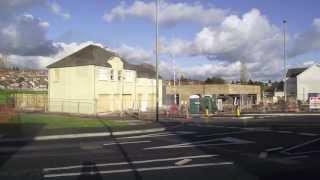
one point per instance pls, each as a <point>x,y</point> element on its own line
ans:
<point>262,148</point>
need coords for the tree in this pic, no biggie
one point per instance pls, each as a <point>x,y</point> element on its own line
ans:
<point>278,85</point>
<point>20,79</point>
<point>215,80</point>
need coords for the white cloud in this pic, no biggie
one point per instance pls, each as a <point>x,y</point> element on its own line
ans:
<point>133,54</point>
<point>228,71</point>
<point>251,39</point>
<point>44,24</point>
<point>169,14</point>
<point>25,35</point>
<point>308,63</point>
<point>42,61</point>
<point>9,8</point>
<point>307,41</point>
<point>56,9</point>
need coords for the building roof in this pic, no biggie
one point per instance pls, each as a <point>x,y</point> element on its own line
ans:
<point>95,55</point>
<point>295,72</point>
<point>89,55</point>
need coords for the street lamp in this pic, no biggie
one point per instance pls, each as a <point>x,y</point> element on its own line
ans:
<point>157,64</point>
<point>284,61</point>
<point>174,78</point>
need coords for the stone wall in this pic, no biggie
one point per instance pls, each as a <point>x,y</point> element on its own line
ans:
<point>185,91</point>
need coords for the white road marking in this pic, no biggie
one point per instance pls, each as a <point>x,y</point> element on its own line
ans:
<point>308,134</point>
<point>256,129</point>
<point>233,127</point>
<point>264,154</point>
<point>82,135</point>
<point>284,132</point>
<point>84,146</point>
<point>297,157</point>
<point>228,141</point>
<point>133,162</point>
<point>274,149</point>
<point>301,145</point>
<point>129,142</point>
<point>138,169</point>
<point>225,133</point>
<point>157,135</point>
<point>182,162</point>
<point>184,132</point>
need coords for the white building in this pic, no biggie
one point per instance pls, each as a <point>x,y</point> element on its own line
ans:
<point>94,80</point>
<point>303,82</point>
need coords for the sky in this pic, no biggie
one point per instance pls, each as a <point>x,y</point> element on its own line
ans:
<point>198,39</point>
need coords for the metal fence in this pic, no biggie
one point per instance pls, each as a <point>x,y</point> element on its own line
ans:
<point>140,108</point>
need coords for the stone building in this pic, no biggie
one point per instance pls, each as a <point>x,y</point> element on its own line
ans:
<point>249,93</point>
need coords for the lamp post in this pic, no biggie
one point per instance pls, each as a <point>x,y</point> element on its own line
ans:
<point>157,64</point>
<point>174,78</point>
<point>284,61</point>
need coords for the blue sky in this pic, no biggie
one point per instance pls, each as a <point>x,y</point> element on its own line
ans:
<point>87,19</point>
<point>246,31</point>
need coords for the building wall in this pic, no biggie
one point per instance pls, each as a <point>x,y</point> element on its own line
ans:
<point>125,93</point>
<point>70,89</point>
<point>308,82</point>
<point>95,89</point>
<point>146,89</point>
<point>185,91</point>
<point>291,87</point>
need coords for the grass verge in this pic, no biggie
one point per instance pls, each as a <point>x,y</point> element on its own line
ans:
<point>49,121</point>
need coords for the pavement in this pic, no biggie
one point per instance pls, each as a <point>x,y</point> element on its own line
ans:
<point>257,148</point>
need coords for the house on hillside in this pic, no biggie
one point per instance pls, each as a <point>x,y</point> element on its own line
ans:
<point>94,80</point>
<point>303,82</point>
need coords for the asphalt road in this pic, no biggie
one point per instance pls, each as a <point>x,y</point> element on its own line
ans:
<point>262,148</point>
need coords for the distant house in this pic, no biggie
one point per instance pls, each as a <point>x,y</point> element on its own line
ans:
<point>94,80</point>
<point>303,82</point>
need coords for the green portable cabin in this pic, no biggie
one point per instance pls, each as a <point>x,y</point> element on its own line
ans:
<point>214,101</point>
<point>208,102</point>
<point>194,104</point>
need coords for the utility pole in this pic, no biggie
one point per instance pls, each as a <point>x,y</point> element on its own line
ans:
<point>284,61</point>
<point>157,64</point>
<point>174,78</point>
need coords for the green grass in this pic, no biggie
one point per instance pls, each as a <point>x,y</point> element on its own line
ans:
<point>59,121</point>
<point>5,94</point>
<point>3,98</point>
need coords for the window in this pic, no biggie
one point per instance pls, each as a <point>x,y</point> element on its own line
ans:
<point>119,75</point>
<point>112,74</point>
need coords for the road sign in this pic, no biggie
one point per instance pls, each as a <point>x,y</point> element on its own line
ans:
<point>314,102</point>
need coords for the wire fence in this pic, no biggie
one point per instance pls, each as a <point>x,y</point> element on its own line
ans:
<point>137,107</point>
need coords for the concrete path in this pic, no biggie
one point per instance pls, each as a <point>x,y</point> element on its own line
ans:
<point>82,135</point>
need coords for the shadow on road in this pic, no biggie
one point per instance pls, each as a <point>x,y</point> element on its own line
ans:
<point>126,157</point>
<point>262,169</point>
<point>8,148</point>
<point>89,171</point>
